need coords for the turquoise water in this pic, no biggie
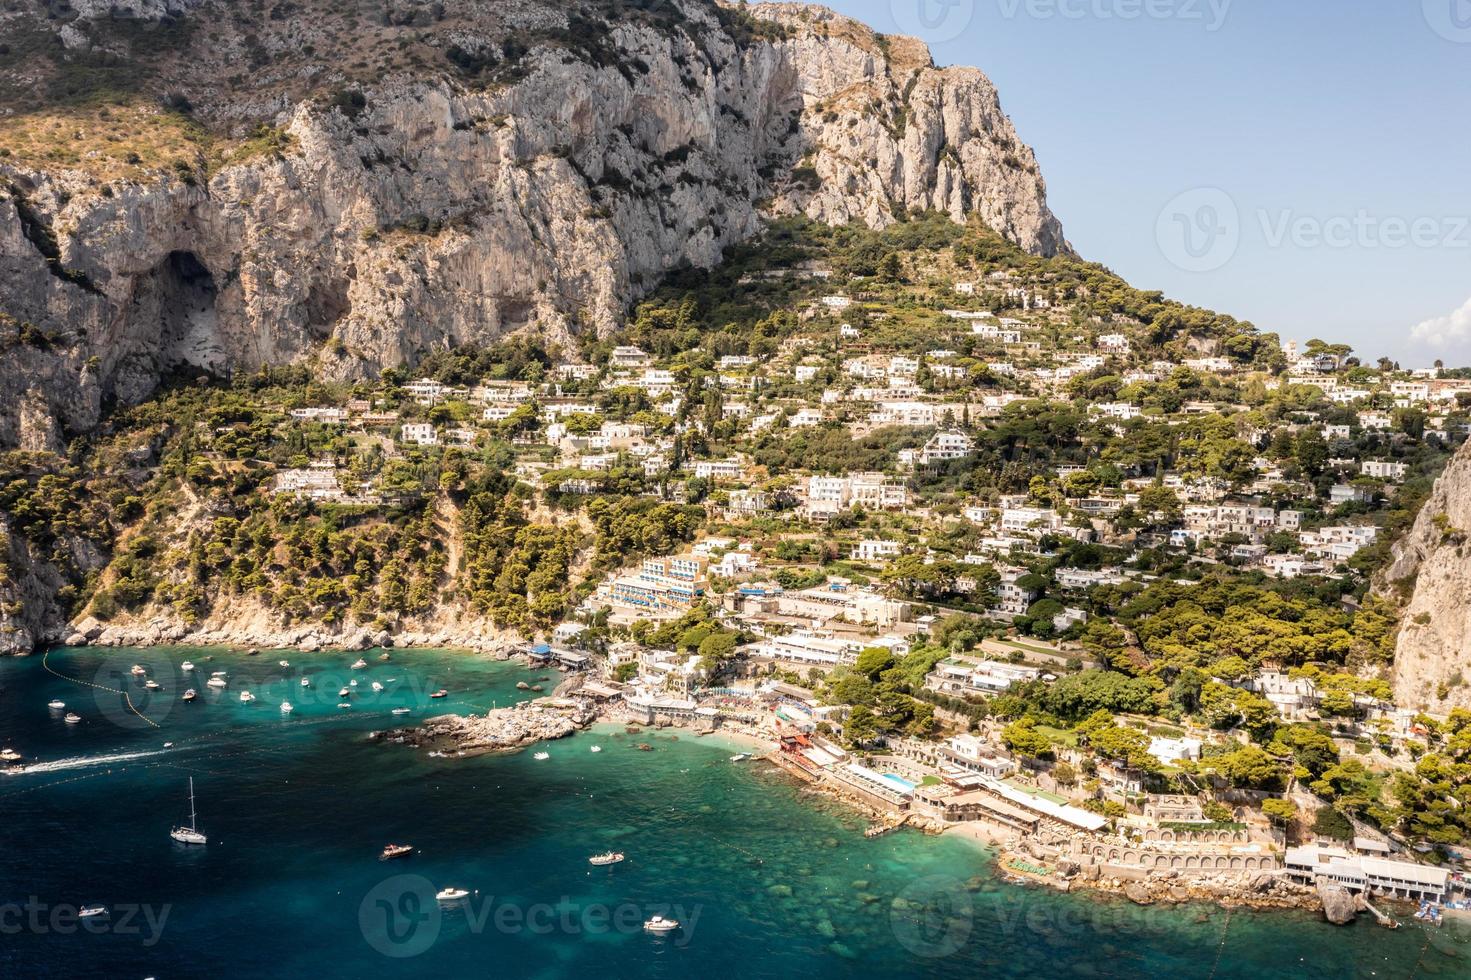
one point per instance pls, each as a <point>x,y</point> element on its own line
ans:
<point>767,879</point>
<point>899,782</point>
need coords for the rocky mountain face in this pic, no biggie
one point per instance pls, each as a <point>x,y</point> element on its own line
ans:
<point>1432,565</point>
<point>394,179</point>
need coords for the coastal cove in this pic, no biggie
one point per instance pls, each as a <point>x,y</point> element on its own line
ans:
<point>764,873</point>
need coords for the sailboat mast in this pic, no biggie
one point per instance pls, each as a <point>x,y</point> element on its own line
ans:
<point>192,819</point>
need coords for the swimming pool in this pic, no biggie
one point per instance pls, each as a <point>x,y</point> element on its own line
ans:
<point>898,782</point>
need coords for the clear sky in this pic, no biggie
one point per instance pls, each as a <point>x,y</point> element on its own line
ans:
<point>1302,164</point>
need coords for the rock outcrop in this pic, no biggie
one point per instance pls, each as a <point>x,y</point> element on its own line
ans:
<point>1340,906</point>
<point>499,730</point>
<point>427,204</point>
<point>1432,563</point>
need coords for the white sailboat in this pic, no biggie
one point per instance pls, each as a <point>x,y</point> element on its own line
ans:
<point>190,834</point>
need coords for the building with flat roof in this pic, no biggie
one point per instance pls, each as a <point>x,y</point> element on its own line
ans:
<point>1361,872</point>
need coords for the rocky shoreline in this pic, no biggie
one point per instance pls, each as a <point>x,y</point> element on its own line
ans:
<point>308,638</point>
<point>499,730</point>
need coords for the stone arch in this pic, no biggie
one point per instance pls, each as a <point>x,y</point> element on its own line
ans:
<point>1236,864</point>
<point>1192,862</point>
<point>1251,864</point>
<point>1161,861</point>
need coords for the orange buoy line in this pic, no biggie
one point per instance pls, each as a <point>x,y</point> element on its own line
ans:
<point>126,697</point>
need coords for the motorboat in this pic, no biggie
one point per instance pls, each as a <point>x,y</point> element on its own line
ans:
<point>72,718</point>
<point>190,834</point>
<point>190,695</point>
<point>401,711</point>
<point>56,705</point>
<point>740,757</point>
<point>137,671</point>
<point>441,693</point>
<point>153,685</point>
<point>541,756</point>
<point>452,894</point>
<point>168,745</point>
<point>186,666</point>
<point>92,912</point>
<point>343,693</point>
<point>285,663</point>
<point>359,664</point>
<point>10,755</point>
<point>306,682</point>
<point>596,748</point>
<point>343,704</point>
<point>396,851</point>
<point>246,697</point>
<point>377,687</point>
<point>659,924</point>
<point>287,708</point>
<point>603,860</point>
<point>352,683</point>
<point>217,680</point>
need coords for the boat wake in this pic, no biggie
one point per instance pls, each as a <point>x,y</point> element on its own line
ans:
<point>84,762</point>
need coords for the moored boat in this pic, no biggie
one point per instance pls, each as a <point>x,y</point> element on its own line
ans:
<point>343,693</point>
<point>441,693</point>
<point>56,705</point>
<point>396,851</point>
<point>377,687</point>
<point>360,664</point>
<point>190,834</point>
<point>8,754</point>
<point>153,685</point>
<point>186,666</point>
<point>541,756</point>
<point>660,924</point>
<point>306,682</point>
<point>602,860</point>
<point>285,663</point>
<point>137,670</point>
<point>72,718</point>
<point>92,912</point>
<point>401,711</point>
<point>452,894</point>
<point>287,707</point>
<point>189,695</point>
<point>246,697</point>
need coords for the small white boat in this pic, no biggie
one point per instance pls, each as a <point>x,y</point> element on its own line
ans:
<point>73,718</point>
<point>343,693</point>
<point>305,682</point>
<point>287,708</point>
<point>137,671</point>
<point>153,685</point>
<point>217,681</point>
<point>603,860</point>
<point>189,695</point>
<point>186,666</point>
<point>285,663</point>
<point>660,924</point>
<point>343,704</point>
<point>377,686</point>
<point>541,756</point>
<point>452,894</point>
<point>246,697</point>
<point>441,693</point>
<point>361,663</point>
<point>168,745</point>
<point>596,748</point>
<point>400,711</point>
<point>190,834</point>
<point>740,757</point>
<point>352,683</point>
<point>92,912</point>
<point>56,705</point>
<point>10,755</point>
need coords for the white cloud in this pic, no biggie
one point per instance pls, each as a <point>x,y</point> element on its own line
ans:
<point>1445,331</point>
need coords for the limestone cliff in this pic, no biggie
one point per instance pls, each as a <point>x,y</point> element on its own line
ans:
<point>361,183</point>
<point>1432,667</point>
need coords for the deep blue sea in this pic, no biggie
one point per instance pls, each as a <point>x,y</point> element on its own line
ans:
<point>767,879</point>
